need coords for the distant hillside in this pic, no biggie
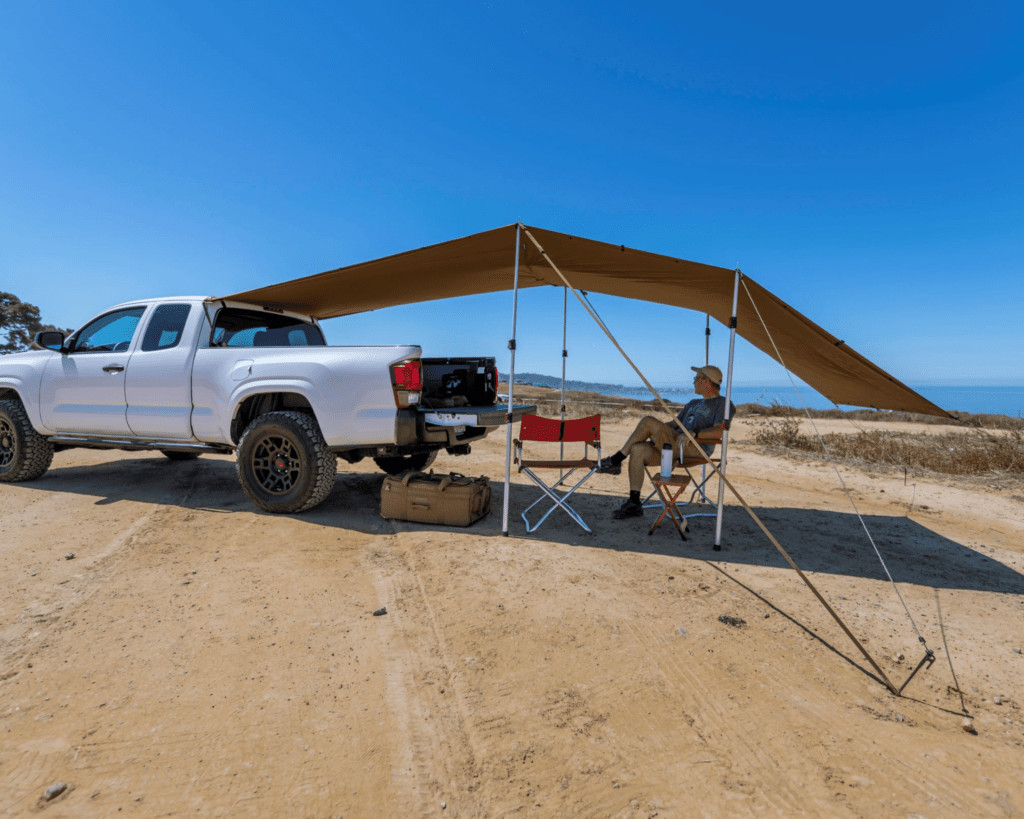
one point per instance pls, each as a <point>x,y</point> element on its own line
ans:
<point>555,382</point>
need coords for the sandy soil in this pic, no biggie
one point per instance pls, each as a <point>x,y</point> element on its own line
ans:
<point>198,657</point>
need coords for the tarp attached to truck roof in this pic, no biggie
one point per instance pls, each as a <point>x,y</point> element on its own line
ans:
<point>485,263</point>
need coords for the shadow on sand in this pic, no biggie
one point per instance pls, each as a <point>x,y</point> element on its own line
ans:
<point>819,541</point>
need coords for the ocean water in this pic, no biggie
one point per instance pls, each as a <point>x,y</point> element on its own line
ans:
<point>994,400</point>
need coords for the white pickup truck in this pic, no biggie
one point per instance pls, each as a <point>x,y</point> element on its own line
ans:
<point>184,376</point>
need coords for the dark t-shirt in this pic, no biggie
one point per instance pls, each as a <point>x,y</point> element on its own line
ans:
<point>704,413</point>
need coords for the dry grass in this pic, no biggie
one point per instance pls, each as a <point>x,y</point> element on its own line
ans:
<point>967,419</point>
<point>972,452</point>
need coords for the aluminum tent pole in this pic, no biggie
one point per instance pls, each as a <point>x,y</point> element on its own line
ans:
<point>728,398</point>
<point>707,360</point>
<point>707,338</point>
<point>511,380</point>
<point>565,354</point>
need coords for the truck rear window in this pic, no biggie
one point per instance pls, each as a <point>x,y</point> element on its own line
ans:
<point>254,328</point>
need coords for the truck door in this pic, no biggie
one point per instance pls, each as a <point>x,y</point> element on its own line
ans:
<point>83,391</point>
<point>158,384</point>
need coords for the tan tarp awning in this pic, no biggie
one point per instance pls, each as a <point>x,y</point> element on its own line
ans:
<point>485,262</point>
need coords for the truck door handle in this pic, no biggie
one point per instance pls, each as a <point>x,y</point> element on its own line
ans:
<point>113,368</point>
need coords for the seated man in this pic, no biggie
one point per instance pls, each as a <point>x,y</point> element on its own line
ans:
<point>704,417</point>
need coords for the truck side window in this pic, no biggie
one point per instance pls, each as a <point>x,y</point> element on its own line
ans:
<point>165,327</point>
<point>111,333</point>
<point>254,328</point>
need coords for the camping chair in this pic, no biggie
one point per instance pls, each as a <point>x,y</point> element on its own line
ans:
<point>689,464</point>
<point>548,430</point>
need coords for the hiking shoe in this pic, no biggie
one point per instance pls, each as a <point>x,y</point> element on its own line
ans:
<point>606,467</point>
<point>630,509</point>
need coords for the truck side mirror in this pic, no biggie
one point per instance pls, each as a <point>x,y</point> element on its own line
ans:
<point>49,340</point>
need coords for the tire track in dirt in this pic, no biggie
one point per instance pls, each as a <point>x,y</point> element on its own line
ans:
<point>806,714</point>
<point>102,562</point>
<point>697,701</point>
<point>426,692</point>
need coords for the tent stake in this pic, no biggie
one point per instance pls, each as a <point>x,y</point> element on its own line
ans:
<point>835,615</point>
<point>728,398</point>
<point>511,380</point>
<point>929,657</point>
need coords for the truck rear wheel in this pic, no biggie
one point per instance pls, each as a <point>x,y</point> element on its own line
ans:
<point>283,462</point>
<point>397,464</point>
<point>24,453</point>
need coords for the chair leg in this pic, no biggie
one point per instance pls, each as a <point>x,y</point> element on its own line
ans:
<point>659,504</point>
<point>698,489</point>
<point>553,486</point>
<point>671,510</point>
<point>559,501</point>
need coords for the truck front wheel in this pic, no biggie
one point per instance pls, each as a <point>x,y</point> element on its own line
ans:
<point>24,453</point>
<point>397,464</point>
<point>283,462</point>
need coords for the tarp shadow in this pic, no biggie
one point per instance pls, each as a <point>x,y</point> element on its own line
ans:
<point>819,541</point>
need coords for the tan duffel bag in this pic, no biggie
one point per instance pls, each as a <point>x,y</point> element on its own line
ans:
<point>448,500</point>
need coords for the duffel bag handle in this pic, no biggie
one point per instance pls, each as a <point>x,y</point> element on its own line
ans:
<point>449,479</point>
<point>446,481</point>
<point>410,475</point>
<point>457,477</point>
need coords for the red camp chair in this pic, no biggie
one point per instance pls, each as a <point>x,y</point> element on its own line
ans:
<point>549,430</point>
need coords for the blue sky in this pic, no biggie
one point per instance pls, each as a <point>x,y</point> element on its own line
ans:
<point>864,163</point>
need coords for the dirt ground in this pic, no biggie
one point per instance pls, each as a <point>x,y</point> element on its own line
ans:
<point>198,657</point>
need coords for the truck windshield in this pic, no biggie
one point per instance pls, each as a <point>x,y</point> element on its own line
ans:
<point>254,328</point>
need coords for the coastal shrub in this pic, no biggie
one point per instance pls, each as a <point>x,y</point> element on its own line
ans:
<point>972,452</point>
<point>967,419</point>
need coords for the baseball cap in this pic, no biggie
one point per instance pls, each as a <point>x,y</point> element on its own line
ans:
<point>711,372</point>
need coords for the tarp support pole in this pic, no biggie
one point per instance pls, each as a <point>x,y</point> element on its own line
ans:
<point>707,360</point>
<point>714,468</point>
<point>728,398</point>
<point>565,353</point>
<point>511,381</point>
<point>707,338</point>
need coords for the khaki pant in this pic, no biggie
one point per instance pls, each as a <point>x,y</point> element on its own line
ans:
<point>644,447</point>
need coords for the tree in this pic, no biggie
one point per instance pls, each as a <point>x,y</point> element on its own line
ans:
<point>19,322</point>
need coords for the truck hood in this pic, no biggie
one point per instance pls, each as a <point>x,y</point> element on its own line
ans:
<point>27,355</point>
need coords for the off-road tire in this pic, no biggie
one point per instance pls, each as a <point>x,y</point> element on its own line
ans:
<point>24,453</point>
<point>179,456</point>
<point>397,464</point>
<point>283,462</point>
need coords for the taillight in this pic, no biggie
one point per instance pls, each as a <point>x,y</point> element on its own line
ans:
<point>407,382</point>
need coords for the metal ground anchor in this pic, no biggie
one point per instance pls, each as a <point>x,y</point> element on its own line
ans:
<point>927,659</point>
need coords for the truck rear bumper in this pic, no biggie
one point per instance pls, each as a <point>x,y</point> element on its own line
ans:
<point>492,416</point>
<point>424,429</point>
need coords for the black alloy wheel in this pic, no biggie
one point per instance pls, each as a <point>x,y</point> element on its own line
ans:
<point>276,464</point>
<point>283,462</point>
<point>24,453</point>
<point>8,443</point>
